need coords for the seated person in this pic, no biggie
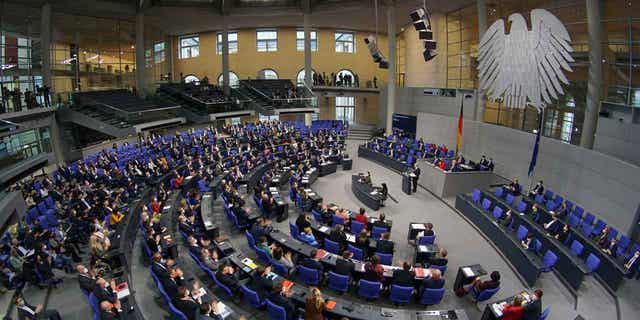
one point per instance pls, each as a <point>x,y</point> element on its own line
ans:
<point>384,245</point>
<point>403,277</point>
<point>373,270</point>
<point>532,309</point>
<point>337,235</point>
<point>441,259</point>
<point>603,237</point>
<point>428,231</point>
<point>241,213</point>
<point>313,262</point>
<point>507,219</point>
<point>281,296</point>
<point>282,257</point>
<point>261,228</point>
<point>263,244</point>
<point>210,259</point>
<point>538,189</point>
<point>361,217</point>
<point>381,221</point>
<point>226,276</point>
<point>631,265</point>
<point>108,311</point>
<point>185,303</point>
<point>514,188</point>
<point>527,242</point>
<point>307,237</point>
<point>562,211</point>
<point>492,283</point>
<point>262,284</point>
<point>344,265</point>
<point>303,221</point>
<point>434,281</point>
<point>326,214</point>
<point>562,234</point>
<point>612,249</point>
<point>553,224</point>
<point>513,310</point>
<point>362,241</point>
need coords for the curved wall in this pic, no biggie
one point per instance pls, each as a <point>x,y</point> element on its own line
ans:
<point>287,61</point>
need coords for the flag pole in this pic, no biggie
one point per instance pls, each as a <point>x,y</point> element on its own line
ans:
<point>536,146</point>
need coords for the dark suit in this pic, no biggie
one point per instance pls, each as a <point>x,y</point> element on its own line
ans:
<point>189,307</point>
<point>103,294</point>
<point>228,280</point>
<point>284,302</point>
<point>312,264</point>
<point>384,246</point>
<point>160,270</point>
<point>170,287</point>
<point>344,267</point>
<point>403,278</point>
<point>86,283</point>
<point>429,283</point>
<point>24,313</point>
<point>263,286</point>
<point>438,261</point>
<point>338,236</point>
<point>301,222</point>
<point>532,310</point>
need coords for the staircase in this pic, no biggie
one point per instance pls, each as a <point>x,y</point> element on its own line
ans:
<point>360,132</point>
<point>259,102</point>
<point>96,119</point>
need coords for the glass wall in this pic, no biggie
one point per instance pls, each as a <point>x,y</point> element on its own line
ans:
<point>91,53</point>
<point>24,145</point>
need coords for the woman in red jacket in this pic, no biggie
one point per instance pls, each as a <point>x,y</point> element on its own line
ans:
<point>513,311</point>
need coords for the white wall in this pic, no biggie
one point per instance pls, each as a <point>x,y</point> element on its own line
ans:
<point>606,186</point>
<point>619,139</point>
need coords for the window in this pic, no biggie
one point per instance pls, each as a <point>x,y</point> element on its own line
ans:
<point>158,49</point>
<point>267,74</point>
<point>267,40</point>
<point>300,40</point>
<point>301,75</point>
<point>567,127</point>
<point>346,109</point>
<point>263,117</point>
<point>148,58</point>
<point>232,38</point>
<point>24,53</point>
<point>191,78</point>
<point>348,78</point>
<point>234,81</point>
<point>344,42</point>
<point>189,47</point>
<point>235,120</point>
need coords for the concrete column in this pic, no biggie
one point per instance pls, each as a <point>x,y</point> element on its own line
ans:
<point>308,71</point>
<point>45,43</point>
<point>170,58</point>
<point>594,84</point>
<point>481,6</point>
<point>140,65</point>
<point>225,56</point>
<point>391,78</point>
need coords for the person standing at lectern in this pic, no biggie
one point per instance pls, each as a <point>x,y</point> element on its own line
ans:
<point>415,177</point>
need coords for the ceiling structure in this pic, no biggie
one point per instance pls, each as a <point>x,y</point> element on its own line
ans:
<point>191,16</point>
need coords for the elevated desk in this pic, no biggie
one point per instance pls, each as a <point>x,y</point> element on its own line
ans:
<point>570,267</point>
<point>208,218</point>
<point>407,183</point>
<point>349,309</point>
<point>381,158</point>
<point>525,262</point>
<point>323,232</point>
<point>327,168</point>
<point>366,193</point>
<point>493,311</point>
<point>466,275</point>
<point>611,271</point>
<point>425,251</point>
<point>253,177</point>
<point>449,184</point>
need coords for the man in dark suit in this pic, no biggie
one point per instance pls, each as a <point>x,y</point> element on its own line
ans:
<point>158,268</point>
<point>281,297</point>
<point>440,259</point>
<point>109,312</point>
<point>260,228</point>
<point>27,311</point>
<point>434,281</point>
<point>414,179</point>
<point>533,309</point>
<point>262,284</point>
<point>302,221</point>
<point>186,304</point>
<point>86,280</point>
<point>403,277</point>
<point>337,235</point>
<point>384,245</point>
<point>344,265</point>
<point>172,283</point>
<point>313,262</point>
<point>226,277</point>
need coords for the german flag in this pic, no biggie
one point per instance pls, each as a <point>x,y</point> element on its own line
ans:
<point>459,133</point>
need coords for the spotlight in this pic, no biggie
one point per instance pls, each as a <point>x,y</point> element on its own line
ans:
<point>417,14</point>
<point>422,23</point>
<point>425,35</point>
<point>429,54</point>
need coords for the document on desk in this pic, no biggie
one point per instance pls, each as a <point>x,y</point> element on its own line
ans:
<point>467,272</point>
<point>223,310</point>
<point>199,293</point>
<point>351,237</point>
<point>273,189</point>
<point>311,194</point>
<point>498,307</point>
<point>417,226</point>
<point>308,190</point>
<point>423,248</point>
<point>323,229</point>
<point>249,263</point>
<point>122,290</point>
<point>374,192</point>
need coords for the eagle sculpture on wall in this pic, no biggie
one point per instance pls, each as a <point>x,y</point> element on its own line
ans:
<point>525,67</point>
